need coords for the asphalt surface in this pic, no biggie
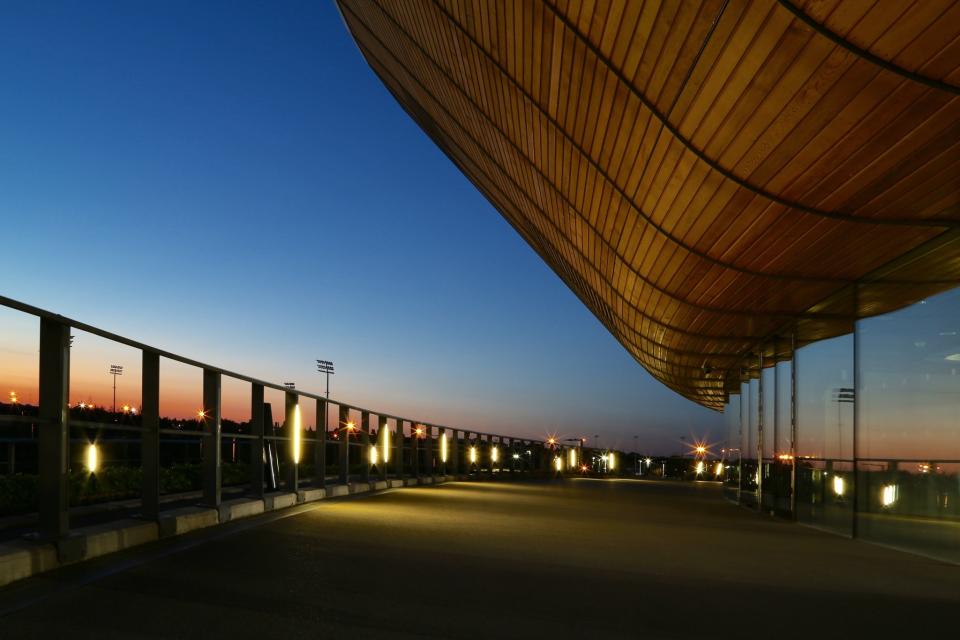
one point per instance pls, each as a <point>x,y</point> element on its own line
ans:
<point>577,559</point>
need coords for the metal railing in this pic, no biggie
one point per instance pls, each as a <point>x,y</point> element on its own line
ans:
<point>275,457</point>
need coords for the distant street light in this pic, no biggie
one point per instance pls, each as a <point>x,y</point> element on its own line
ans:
<point>325,366</point>
<point>115,370</point>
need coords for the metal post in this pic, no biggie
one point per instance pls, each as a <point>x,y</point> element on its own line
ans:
<point>344,435</point>
<point>428,448</point>
<point>793,425</point>
<point>455,452</point>
<point>290,422</point>
<point>320,450</point>
<point>414,451</point>
<point>760,435</point>
<point>53,441</point>
<point>257,444</point>
<point>365,440</point>
<point>150,438</point>
<point>398,450</point>
<point>211,438</point>
<point>856,413</point>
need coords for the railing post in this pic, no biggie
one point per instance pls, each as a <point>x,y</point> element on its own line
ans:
<point>291,400</point>
<point>211,439</point>
<point>428,446</point>
<point>150,438</point>
<point>320,452</point>
<point>455,452</point>
<point>54,438</point>
<point>365,444</point>
<point>398,450</point>
<point>414,450</point>
<point>343,434</point>
<point>383,434</point>
<point>257,417</point>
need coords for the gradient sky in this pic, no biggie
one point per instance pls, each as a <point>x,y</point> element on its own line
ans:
<point>231,182</point>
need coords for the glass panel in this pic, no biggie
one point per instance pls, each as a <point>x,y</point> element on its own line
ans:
<point>748,467</point>
<point>768,389</point>
<point>909,427</point>
<point>731,450</point>
<point>782,467</point>
<point>825,434</point>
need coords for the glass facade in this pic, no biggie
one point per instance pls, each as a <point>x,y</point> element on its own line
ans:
<point>860,434</point>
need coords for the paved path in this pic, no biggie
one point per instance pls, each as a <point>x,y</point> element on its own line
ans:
<point>581,559</point>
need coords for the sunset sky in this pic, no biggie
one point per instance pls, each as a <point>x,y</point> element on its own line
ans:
<point>232,183</point>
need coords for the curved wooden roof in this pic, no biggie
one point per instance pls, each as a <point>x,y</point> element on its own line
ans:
<point>705,176</point>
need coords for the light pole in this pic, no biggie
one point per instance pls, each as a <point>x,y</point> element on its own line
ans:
<point>115,370</point>
<point>325,366</point>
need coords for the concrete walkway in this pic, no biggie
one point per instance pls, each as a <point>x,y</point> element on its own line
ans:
<point>579,559</point>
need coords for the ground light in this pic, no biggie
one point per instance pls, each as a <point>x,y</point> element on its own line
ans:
<point>92,458</point>
<point>296,433</point>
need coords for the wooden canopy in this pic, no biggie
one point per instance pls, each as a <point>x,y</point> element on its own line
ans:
<point>715,180</point>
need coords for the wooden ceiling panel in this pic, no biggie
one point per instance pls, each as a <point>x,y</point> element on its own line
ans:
<point>704,176</point>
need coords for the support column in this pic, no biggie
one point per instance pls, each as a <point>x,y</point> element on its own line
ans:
<point>211,438</point>
<point>414,451</point>
<point>455,452</point>
<point>54,440</point>
<point>293,431</point>
<point>258,442</point>
<point>150,438</point>
<point>365,443</point>
<point>343,434</point>
<point>383,444</point>
<point>398,450</point>
<point>320,451</point>
<point>793,426</point>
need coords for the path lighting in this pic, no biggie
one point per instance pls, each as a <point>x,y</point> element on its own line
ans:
<point>473,454</point>
<point>839,486</point>
<point>92,458</point>
<point>386,444</point>
<point>718,470</point>
<point>558,464</point>
<point>700,468</point>
<point>296,433</point>
<point>494,454</point>
<point>443,447</point>
<point>888,495</point>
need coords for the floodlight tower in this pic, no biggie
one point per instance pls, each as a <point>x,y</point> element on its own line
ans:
<point>325,366</point>
<point>115,370</point>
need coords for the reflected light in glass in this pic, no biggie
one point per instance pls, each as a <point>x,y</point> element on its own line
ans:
<point>700,468</point>
<point>443,447</point>
<point>473,454</point>
<point>373,454</point>
<point>839,485</point>
<point>494,454</point>
<point>92,458</point>
<point>611,461</point>
<point>888,495</point>
<point>386,444</point>
<point>573,458</point>
<point>558,463</point>
<point>718,469</point>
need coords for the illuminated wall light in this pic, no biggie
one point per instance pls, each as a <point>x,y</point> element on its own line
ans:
<point>296,433</point>
<point>92,458</point>
<point>573,458</point>
<point>889,495</point>
<point>373,454</point>
<point>494,454</point>
<point>558,463</point>
<point>473,455</point>
<point>385,435</point>
<point>839,485</point>
<point>443,447</point>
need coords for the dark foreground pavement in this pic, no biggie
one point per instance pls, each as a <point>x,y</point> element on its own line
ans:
<point>582,559</point>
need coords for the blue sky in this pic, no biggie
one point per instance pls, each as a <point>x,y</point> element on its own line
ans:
<point>232,182</point>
